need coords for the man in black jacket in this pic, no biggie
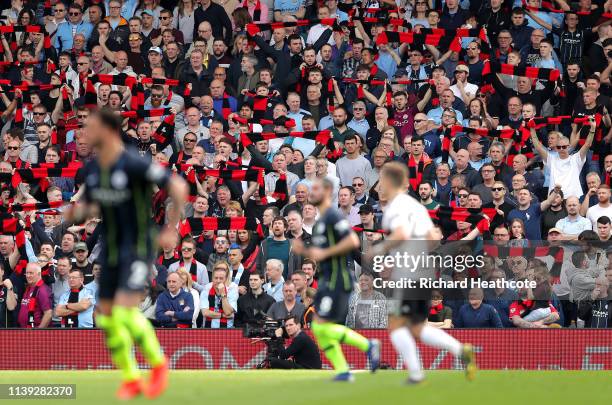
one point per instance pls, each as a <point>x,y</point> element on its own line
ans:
<point>216,16</point>
<point>303,350</point>
<point>253,303</point>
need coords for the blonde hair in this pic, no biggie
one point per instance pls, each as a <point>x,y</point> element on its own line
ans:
<point>185,276</point>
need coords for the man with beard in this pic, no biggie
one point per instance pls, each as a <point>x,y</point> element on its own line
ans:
<point>220,52</point>
<point>277,246</point>
<point>340,130</point>
<point>425,194</point>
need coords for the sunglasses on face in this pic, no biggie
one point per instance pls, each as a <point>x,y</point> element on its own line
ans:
<point>498,189</point>
<point>463,195</point>
<point>75,14</point>
<point>357,184</point>
<point>189,140</point>
<point>562,147</point>
<point>157,95</point>
<point>187,249</point>
<point>13,148</point>
<point>38,113</point>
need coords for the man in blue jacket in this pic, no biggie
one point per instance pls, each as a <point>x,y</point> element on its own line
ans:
<point>175,305</point>
<point>68,29</point>
<point>475,314</point>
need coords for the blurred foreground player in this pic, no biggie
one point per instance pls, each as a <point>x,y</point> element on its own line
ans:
<point>332,240</point>
<point>118,186</point>
<point>407,220</point>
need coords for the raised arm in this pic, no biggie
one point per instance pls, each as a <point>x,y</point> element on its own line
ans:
<point>589,141</point>
<point>538,145</point>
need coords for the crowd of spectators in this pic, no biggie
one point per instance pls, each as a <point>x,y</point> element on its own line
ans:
<point>443,102</point>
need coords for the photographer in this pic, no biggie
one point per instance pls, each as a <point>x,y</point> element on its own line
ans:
<point>303,350</point>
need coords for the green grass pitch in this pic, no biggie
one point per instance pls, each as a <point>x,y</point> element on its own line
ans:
<point>314,387</point>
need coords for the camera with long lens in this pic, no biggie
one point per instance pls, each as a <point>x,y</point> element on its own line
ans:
<point>265,329</point>
<point>262,329</point>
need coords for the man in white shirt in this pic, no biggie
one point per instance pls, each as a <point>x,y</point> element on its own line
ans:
<point>219,299</point>
<point>462,89</point>
<point>565,168</point>
<point>317,30</point>
<point>603,207</point>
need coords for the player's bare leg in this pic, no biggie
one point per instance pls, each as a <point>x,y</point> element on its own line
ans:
<point>119,342</point>
<point>439,339</point>
<point>404,343</point>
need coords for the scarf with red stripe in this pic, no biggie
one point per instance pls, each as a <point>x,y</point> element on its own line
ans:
<point>197,226</point>
<point>164,134</point>
<point>411,37</point>
<point>10,225</point>
<point>193,268</point>
<point>447,217</point>
<point>255,28</point>
<point>215,305</point>
<point>502,252</point>
<point>72,320</point>
<point>415,171</point>
<point>32,303</point>
<point>492,67</point>
<point>256,12</point>
<point>435,309</point>
<point>226,109</point>
<point>31,206</point>
<point>142,113</point>
<point>322,137</point>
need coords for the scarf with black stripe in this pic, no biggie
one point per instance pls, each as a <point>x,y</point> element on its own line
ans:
<point>193,268</point>
<point>226,109</point>
<point>215,305</point>
<point>10,225</point>
<point>197,226</point>
<point>556,252</point>
<point>415,172</point>
<point>33,303</point>
<point>256,12</point>
<point>72,320</point>
<point>164,134</point>
<point>447,217</point>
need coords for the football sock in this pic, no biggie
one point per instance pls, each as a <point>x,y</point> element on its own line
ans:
<point>143,334</point>
<point>330,347</point>
<point>404,344</point>
<point>440,339</point>
<point>345,335</point>
<point>120,344</point>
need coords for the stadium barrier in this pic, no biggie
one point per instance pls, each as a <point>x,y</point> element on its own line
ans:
<point>82,349</point>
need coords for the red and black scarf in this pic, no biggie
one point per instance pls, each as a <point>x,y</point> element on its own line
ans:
<point>435,309</point>
<point>415,172</point>
<point>193,269</point>
<point>215,305</point>
<point>226,109</point>
<point>72,320</point>
<point>33,303</point>
<point>256,12</point>
<point>197,226</point>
